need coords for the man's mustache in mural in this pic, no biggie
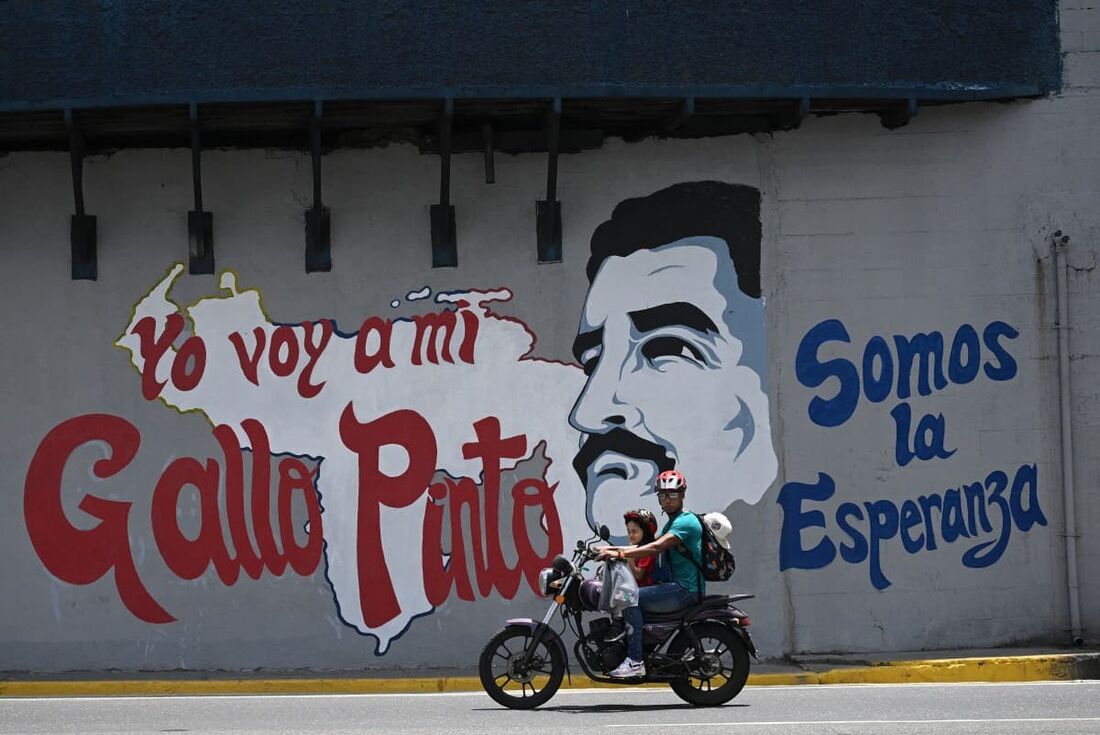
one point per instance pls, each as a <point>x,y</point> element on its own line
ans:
<point>624,444</point>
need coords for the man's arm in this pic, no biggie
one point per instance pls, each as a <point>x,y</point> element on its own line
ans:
<point>668,541</point>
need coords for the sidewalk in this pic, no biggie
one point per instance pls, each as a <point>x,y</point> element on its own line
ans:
<point>995,665</point>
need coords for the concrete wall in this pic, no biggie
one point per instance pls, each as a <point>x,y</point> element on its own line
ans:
<point>937,228</point>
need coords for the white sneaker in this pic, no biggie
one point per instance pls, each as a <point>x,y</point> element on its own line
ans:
<point>629,669</point>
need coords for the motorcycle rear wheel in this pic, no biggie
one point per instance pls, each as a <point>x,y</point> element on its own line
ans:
<point>507,681</point>
<point>721,675</point>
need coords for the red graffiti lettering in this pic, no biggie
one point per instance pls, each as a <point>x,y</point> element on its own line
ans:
<point>542,498</point>
<point>435,332</point>
<point>470,324</point>
<point>187,558</point>
<point>76,555</point>
<point>246,556</point>
<point>459,499</point>
<point>190,364</point>
<point>152,349</point>
<point>408,430</point>
<point>294,477</point>
<point>249,363</point>
<point>439,577</point>
<point>81,556</point>
<point>491,449</point>
<point>366,361</point>
<point>306,388</point>
<point>283,341</point>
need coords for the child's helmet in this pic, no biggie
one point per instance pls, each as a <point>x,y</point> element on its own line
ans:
<point>645,520</point>
<point>671,481</point>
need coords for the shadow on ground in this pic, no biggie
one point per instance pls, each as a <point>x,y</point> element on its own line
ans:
<point>584,709</point>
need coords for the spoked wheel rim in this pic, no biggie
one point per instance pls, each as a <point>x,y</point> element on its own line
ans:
<point>717,668</point>
<point>511,677</point>
<point>719,673</point>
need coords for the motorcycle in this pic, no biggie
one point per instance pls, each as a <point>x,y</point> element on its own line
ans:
<point>701,652</point>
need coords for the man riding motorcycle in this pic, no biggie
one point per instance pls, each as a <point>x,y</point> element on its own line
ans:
<point>682,535</point>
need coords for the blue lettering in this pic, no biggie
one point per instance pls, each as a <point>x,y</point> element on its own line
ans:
<point>811,373</point>
<point>929,348</point>
<point>1025,518</point>
<point>877,389</point>
<point>883,516</point>
<point>903,416</point>
<point>792,555</point>
<point>962,373</point>
<point>910,517</point>
<point>928,442</point>
<point>953,526</point>
<point>973,558</point>
<point>1006,364</point>
<point>857,552</point>
<point>975,508</point>
<point>868,526</point>
<point>927,503</point>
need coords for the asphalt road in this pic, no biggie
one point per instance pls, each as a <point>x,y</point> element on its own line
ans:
<point>973,709</point>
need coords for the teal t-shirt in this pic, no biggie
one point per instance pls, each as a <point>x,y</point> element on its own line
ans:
<point>685,526</point>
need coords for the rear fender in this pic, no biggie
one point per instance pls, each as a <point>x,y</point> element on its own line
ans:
<point>541,632</point>
<point>725,619</point>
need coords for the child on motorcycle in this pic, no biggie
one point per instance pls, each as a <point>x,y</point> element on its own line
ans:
<point>641,528</point>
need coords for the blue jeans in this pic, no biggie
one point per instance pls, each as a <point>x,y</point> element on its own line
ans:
<point>658,598</point>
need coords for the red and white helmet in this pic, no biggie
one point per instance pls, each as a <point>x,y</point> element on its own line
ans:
<point>671,481</point>
<point>644,518</point>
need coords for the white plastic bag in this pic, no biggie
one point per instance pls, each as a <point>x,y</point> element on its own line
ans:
<point>620,589</point>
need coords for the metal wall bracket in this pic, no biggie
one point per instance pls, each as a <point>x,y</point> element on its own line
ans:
<point>444,237</point>
<point>318,230</point>
<point>900,114</point>
<point>82,227</point>
<point>677,121</point>
<point>790,117</point>
<point>490,167</point>
<point>548,212</point>
<point>200,223</point>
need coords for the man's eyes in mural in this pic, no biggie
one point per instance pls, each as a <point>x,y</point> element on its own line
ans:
<point>659,349</point>
<point>589,360</point>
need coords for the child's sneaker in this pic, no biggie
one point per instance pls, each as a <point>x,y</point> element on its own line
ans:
<point>629,669</point>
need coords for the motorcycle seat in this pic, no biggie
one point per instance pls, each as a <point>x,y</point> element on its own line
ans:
<point>709,602</point>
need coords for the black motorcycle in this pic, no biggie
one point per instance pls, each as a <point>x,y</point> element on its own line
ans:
<point>702,652</point>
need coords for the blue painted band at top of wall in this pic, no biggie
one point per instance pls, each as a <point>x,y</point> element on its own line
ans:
<point>59,53</point>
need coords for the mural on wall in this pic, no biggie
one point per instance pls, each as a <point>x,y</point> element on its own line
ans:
<point>424,457</point>
<point>979,514</point>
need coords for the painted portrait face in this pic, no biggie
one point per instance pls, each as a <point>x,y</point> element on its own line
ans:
<point>673,351</point>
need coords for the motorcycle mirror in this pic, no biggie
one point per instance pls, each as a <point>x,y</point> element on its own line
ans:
<point>605,532</point>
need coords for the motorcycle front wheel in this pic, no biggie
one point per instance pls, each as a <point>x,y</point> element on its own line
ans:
<point>511,683</point>
<point>721,674</point>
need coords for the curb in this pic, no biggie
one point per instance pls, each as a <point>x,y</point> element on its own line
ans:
<point>1054,667</point>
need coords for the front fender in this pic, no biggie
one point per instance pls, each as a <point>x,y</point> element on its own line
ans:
<point>541,632</point>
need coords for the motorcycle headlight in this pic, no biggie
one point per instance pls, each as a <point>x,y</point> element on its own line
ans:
<point>546,576</point>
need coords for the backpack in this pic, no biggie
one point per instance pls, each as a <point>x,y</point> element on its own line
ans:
<point>718,563</point>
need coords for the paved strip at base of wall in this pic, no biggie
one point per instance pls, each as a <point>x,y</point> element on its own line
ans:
<point>992,669</point>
